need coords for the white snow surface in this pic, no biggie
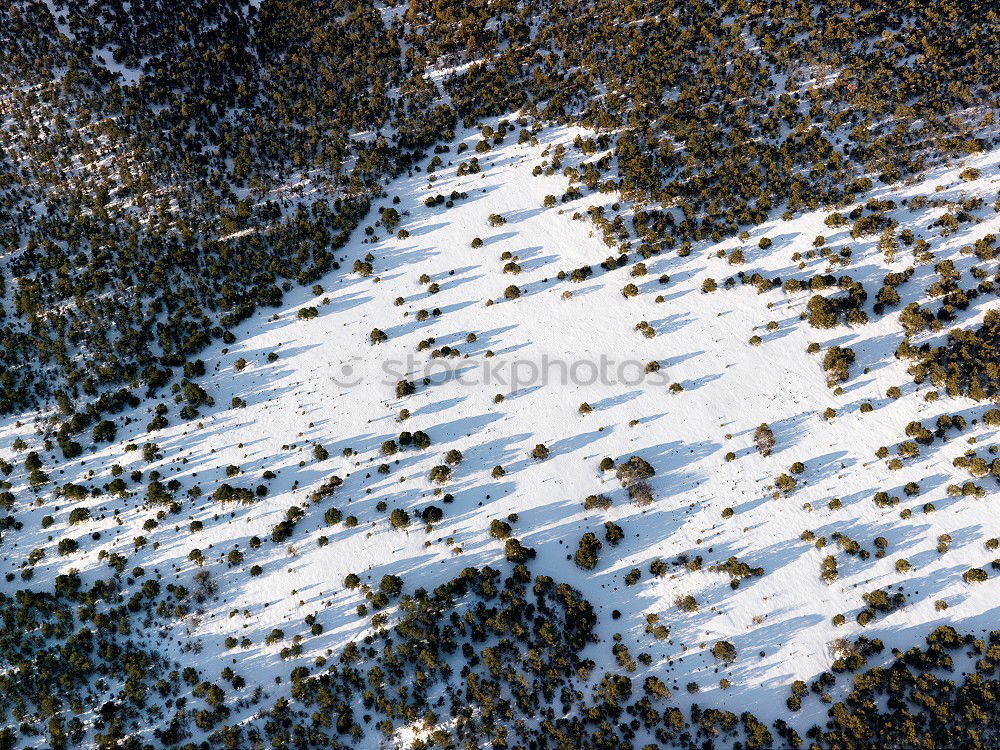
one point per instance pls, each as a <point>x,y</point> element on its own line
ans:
<point>332,386</point>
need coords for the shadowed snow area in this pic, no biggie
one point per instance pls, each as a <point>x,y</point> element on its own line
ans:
<point>558,345</point>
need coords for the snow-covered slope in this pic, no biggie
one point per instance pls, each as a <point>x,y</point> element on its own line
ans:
<point>558,345</point>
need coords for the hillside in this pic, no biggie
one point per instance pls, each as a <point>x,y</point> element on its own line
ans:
<point>404,383</point>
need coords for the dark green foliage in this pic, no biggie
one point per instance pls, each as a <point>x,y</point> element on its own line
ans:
<point>965,365</point>
<point>836,363</point>
<point>586,555</point>
<point>613,533</point>
<point>724,651</point>
<point>226,493</point>
<point>104,431</point>
<point>327,488</point>
<point>516,552</point>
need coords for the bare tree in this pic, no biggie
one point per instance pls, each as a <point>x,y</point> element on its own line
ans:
<point>764,439</point>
